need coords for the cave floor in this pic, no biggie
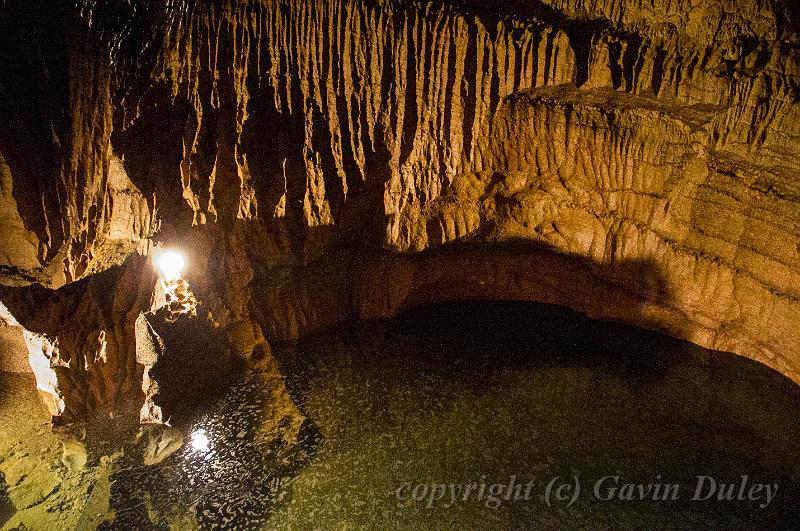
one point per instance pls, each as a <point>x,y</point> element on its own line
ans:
<point>354,428</point>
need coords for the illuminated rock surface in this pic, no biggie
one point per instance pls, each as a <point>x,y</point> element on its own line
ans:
<point>81,337</point>
<point>41,486</point>
<point>292,132</point>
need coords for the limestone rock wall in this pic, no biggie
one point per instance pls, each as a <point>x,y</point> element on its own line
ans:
<point>13,350</point>
<point>406,94</point>
<point>281,139</point>
<point>61,187</point>
<point>81,337</point>
<point>616,132</point>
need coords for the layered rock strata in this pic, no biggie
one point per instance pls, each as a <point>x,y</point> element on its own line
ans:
<point>630,160</point>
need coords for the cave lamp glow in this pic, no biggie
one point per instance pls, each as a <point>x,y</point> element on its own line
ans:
<point>171,264</point>
<point>177,295</point>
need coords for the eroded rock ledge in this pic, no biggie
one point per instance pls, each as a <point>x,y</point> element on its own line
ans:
<point>325,159</point>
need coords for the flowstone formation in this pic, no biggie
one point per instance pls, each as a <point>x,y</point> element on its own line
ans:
<point>323,160</point>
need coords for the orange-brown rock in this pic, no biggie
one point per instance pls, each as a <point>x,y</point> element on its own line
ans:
<point>81,337</point>
<point>325,159</point>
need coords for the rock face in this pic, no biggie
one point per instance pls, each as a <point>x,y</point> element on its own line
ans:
<point>13,350</point>
<point>81,337</point>
<point>323,160</point>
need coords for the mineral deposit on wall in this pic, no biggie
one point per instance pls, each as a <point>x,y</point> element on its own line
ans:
<point>631,159</point>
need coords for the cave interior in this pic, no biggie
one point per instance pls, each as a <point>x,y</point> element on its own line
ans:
<point>290,264</point>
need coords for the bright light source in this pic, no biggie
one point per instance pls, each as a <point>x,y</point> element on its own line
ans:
<point>171,264</point>
<point>199,441</point>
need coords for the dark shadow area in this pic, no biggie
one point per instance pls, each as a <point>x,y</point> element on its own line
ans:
<point>152,147</point>
<point>7,508</point>
<point>34,103</point>
<point>450,392</point>
<point>529,333</point>
<point>188,358</point>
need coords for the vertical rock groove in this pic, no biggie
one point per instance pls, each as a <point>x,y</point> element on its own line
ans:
<point>282,134</point>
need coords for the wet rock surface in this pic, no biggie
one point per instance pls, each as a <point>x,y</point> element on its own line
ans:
<point>47,479</point>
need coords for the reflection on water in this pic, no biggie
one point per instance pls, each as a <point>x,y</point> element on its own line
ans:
<point>461,393</point>
<point>238,457</point>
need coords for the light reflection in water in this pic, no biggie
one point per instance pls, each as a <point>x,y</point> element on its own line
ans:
<point>199,441</point>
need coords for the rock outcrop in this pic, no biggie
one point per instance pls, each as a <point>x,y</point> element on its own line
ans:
<point>81,338</point>
<point>13,350</point>
<point>322,160</point>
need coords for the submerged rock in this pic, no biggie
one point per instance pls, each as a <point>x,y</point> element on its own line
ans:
<point>73,455</point>
<point>161,443</point>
